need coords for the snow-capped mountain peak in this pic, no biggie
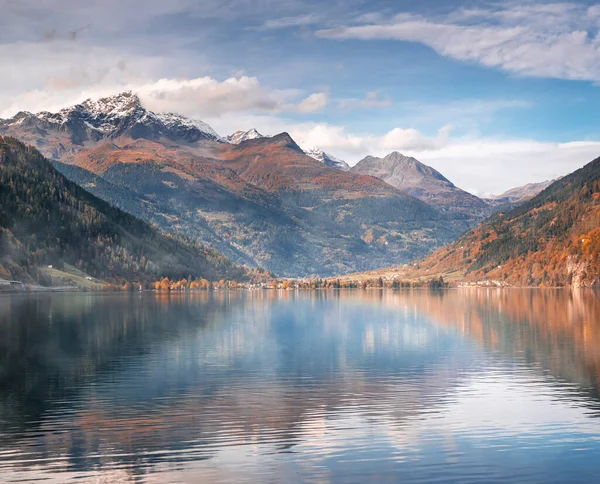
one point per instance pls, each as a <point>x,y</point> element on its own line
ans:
<point>118,105</point>
<point>327,159</point>
<point>240,135</point>
<point>113,116</point>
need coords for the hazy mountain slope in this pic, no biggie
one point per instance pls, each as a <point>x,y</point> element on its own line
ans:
<point>552,239</point>
<point>522,193</point>
<point>422,181</point>
<point>47,219</point>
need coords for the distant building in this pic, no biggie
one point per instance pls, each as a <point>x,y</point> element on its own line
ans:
<point>5,284</point>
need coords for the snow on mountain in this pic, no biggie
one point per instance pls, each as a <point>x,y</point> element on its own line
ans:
<point>113,116</point>
<point>240,135</point>
<point>327,159</point>
<point>173,120</point>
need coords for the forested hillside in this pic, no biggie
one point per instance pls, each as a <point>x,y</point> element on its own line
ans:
<point>47,219</point>
<point>551,240</point>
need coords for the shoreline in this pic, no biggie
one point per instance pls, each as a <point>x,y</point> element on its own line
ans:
<point>64,290</point>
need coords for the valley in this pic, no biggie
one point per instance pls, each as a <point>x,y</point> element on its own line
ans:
<point>261,201</point>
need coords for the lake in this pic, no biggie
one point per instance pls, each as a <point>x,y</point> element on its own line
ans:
<point>464,385</point>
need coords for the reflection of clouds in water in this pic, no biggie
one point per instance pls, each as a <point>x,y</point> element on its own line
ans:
<point>528,404</point>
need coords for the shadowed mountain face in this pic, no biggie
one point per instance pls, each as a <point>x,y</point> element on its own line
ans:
<point>261,202</point>
<point>45,219</point>
<point>552,239</point>
<point>425,183</point>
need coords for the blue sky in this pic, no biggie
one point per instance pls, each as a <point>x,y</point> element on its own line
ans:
<point>492,94</point>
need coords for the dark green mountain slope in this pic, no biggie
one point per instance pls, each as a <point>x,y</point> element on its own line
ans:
<point>47,219</point>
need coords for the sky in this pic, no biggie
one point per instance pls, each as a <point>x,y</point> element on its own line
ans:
<point>492,94</point>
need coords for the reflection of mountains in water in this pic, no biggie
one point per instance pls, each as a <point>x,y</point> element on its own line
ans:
<point>231,358</point>
<point>51,345</point>
<point>175,373</point>
<point>557,329</point>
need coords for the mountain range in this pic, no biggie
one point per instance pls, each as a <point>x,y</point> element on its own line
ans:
<point>261,201</point>
<point>63,134</point>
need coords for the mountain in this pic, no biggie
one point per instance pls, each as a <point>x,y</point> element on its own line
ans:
<point>423,182</point>
<point>319,155</point>
<point>521,194</point>
<point>48,220</point>
<point>553,239</point>
<point>239,136</point>
<point>327,159</point>
<point>65,133</point>
<point>262,202</point>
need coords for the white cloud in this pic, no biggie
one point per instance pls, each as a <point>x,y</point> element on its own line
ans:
<point>412,139</point>
<point>330,138</point>
<point>314,102</point>
<point>208,97</point>
<point>286,22</point>
<point>199,97</point>
<point>547,40</point>
<point>495,165</point>
<point>337,139</point>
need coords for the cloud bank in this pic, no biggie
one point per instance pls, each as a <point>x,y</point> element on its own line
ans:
<point>557,40</point>
<point>200,97</point>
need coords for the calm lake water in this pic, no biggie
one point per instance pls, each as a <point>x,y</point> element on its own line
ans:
<point>321,387</point>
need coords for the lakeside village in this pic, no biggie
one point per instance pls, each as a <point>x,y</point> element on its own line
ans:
<point>167,285</point>
<point>286,284</point>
